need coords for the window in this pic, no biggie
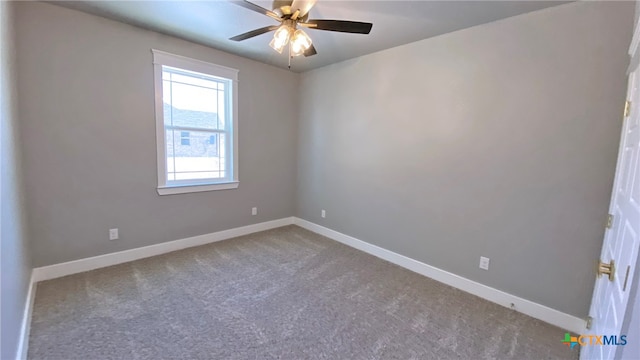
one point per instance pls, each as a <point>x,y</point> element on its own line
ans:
<point>196,122</point>
<point>184,138</point>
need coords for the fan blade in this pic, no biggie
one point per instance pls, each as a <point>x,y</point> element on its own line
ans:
<point>252,33</point>
<point>310,51</point>
<point>303,5</point>
<point>353,27</point>
<point>259,9</point>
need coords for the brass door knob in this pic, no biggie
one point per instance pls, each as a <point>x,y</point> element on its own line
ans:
<point>606,269</point>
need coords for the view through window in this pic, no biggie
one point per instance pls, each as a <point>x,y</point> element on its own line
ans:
<point>197,120</point>
<point>194,120</point>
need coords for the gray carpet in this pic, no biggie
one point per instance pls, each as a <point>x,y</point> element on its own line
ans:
<point>285,293</point>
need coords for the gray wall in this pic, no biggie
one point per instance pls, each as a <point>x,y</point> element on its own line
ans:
<point>86,102</point>
<point>498,140</point>
<point>15,263</point>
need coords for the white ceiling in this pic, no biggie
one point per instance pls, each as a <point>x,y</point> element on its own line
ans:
<point>395,23</point>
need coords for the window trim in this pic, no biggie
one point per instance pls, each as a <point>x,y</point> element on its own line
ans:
<point>162,58</point>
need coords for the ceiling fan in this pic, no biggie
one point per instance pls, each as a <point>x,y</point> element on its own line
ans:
<point>292,14</point>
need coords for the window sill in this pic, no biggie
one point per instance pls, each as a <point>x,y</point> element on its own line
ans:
<point>183,189</point>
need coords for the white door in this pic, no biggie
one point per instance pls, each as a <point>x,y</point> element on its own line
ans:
<point>622,239</point>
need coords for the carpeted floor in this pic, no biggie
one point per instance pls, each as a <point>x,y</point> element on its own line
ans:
<point>285,293</point>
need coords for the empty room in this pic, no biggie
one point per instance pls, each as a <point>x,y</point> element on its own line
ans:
<point>301,179</point>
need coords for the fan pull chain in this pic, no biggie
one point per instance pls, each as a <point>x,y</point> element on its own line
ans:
<point>290,56</point>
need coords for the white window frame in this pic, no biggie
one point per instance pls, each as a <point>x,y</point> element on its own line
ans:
<point>161,58</point>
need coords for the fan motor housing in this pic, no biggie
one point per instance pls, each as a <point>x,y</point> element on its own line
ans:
<point>277,4</point>
<point>283,9</point>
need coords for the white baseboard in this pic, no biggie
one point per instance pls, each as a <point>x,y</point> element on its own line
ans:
<point>541,312</point>
<point>25,327</point>
<point>96,262</point>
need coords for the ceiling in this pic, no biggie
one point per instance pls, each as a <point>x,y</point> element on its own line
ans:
<point>395,23</point>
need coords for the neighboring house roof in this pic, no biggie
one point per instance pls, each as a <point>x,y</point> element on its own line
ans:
<point>190,118</point>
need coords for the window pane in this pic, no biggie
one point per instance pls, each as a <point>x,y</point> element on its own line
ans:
<point>202,158</point>
<point>184,138</point>
<point>193,100</point>
<point>195,80</point>
<point>221,110</point>
<point>166,91</point>
<point>222,150</point>
<point>193,106</point>
<point>170,155</point>
<point>198,175</point>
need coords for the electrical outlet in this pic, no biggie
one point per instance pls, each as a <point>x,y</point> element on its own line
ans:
<point>323,213</point>
<point>254,211</point>
<point>113,234</point>
<point>484,263</point>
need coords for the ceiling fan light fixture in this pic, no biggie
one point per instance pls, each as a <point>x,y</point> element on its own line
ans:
<point>277,45</point>
<point>299,43</point>
<point>281,38</point>
<point>291,14</point>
